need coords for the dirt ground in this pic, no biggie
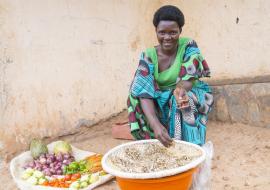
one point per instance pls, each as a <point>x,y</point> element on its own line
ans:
<point>241,160</point>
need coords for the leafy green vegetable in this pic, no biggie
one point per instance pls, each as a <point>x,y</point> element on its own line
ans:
<point>76,167</point>
<point>37,147</point>
<point>62,147</point>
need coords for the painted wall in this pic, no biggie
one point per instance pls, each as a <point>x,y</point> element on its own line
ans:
<point>233,35</point>
<point>68,63</point>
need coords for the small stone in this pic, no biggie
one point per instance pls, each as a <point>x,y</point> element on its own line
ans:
<point>267,146</point>
<point>253,175</point>
<point>225,178</point>
<point>255,148</point>
<point>226,185</point>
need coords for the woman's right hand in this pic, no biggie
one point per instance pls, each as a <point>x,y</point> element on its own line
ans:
<point>159,130</point>
<point>162,135</point>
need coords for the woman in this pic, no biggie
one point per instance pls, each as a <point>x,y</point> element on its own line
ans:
<point>167,100</point>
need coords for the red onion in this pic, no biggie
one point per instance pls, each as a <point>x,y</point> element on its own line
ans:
<point>48,161</point>
<point>52,165</point>
<point>65,161</point>
<point>42,160</point>
<point>47,173</point>
<point>59,157</point>
<point>66,156</point>
<point>52,170</point>
<point>59,172</point>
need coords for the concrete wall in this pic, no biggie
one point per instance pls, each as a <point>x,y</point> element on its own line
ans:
<point>68,63</point>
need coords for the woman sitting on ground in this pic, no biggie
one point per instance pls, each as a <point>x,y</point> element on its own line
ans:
<point>167,99</point>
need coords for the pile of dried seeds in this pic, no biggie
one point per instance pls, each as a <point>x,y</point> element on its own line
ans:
<point>152,157</point>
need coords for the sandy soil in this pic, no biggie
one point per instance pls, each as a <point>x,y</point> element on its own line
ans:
<point>241,160</point>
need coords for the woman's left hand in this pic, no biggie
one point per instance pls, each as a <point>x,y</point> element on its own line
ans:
<point>181,98</point>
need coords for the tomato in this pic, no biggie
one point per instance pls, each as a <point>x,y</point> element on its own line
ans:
<point>66,185</point>
<point>46,183</point>
<point>62,185</point>
<point>56,184</point>
<point>76,176</point>
<point>68,177</point>
<point>51,183</point>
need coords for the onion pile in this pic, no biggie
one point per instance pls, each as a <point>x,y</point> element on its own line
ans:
<point>51,164</point>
